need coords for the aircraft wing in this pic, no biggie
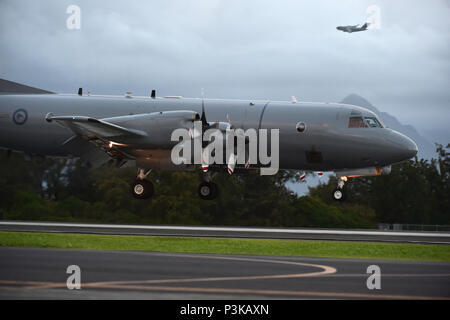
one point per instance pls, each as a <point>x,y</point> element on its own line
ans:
<point>91,127</point>
<point>99,133</point>
<point>120,136</point>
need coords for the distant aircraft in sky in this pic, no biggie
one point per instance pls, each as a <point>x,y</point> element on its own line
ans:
<point>354,28</point>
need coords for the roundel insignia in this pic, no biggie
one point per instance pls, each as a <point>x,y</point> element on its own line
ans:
<point>20,116</point>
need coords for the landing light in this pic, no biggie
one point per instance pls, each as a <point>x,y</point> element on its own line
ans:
<point>112,144</point>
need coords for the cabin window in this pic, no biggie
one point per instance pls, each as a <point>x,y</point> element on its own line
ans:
<point>356,122</point>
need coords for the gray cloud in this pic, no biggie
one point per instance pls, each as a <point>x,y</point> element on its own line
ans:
<point>237,49</point>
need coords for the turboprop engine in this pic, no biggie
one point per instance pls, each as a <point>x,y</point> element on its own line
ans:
<point>154,129</point>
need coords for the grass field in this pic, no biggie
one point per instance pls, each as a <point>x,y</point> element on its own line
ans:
<point>336,249</point>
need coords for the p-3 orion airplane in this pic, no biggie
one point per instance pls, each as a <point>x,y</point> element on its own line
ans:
<point>348,140</point>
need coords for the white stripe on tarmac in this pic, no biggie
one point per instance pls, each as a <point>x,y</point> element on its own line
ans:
<point>229,229</point>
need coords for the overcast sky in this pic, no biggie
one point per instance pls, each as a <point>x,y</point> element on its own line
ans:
<point>238,49</point>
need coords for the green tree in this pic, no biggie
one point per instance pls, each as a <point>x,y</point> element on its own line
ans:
<point>416,191</point>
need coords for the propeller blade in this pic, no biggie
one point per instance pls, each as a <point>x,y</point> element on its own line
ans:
<point>203,118</point>
<point>229,121</point>
<point>247,163</point>
<point>194,134</point>
<point>205,160</point>
<point>231,163</point>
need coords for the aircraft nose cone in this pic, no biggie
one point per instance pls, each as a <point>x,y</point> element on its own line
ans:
<point>407,148</point>
<point>410,148</point>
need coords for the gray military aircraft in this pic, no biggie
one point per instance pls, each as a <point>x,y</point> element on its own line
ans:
<point>354,28</point>
<point>346,139</point>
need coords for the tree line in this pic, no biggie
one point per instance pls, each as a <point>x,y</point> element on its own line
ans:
<point>416,191</point>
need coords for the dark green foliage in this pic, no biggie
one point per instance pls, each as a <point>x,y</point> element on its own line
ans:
<point>66,190</point>
<point>416,191</point>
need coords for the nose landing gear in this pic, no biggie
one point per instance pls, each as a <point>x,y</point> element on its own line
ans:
<point>338,193</point>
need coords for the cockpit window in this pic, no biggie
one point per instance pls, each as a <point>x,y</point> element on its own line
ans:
<point>367,122</point>
<point>356,122</point>
<point>373,122</point>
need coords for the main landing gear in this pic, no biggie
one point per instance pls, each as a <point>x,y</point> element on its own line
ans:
<point>208,190</point>
<point>338,193</point>
<point>141,188</point>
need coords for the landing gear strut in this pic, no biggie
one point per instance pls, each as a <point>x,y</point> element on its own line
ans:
<point>141,188</point>
<point>338,193</point>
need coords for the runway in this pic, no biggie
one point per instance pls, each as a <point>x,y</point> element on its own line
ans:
<point>30,273</point>
<point>231,232</point>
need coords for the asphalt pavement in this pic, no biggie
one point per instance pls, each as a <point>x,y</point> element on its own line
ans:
<point>36,273</point>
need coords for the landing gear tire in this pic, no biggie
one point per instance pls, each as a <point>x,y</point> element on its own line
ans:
<point>208,190</point>
<point>338,194</point>
<point>142,189</point>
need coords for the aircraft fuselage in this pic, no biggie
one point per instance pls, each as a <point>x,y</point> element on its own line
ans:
<point>326,144</point>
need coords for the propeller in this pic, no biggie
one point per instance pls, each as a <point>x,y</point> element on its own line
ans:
<point>196,134</point>
<point>223,126</point>
<point>232,159</point>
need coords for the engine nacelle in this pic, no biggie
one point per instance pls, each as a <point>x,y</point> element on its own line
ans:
<point>157,125</point>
